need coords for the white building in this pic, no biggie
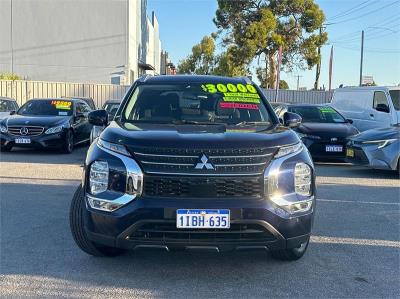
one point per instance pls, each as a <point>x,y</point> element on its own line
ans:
<point>99,41</point>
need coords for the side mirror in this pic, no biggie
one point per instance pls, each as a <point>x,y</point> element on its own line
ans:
<point>12,112</point>
<point>382,108</point>
<point>348,120</point>
<point>291,120</point>
<point>98,117</point>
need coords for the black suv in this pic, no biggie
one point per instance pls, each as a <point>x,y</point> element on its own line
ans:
<point>195,162</point>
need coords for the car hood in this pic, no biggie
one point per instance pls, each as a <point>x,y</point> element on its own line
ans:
<point>198,136</point>
<point>42,121</point>
<point>378,134</point>
<point>338,130</point>
<point>4,114</point>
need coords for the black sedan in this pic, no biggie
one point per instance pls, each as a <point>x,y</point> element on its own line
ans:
<point>47,123</point>
<point>323,130</point>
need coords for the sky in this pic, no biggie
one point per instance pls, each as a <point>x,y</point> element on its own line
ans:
<point>183,23</point>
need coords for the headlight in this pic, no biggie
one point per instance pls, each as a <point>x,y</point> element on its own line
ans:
<point>54,130</point>
<point>98,179</point>
<point>380,143</point>
<point>3,129</point>
<point>302,179</point>
<point>287,150</point>
<point>118,148</point>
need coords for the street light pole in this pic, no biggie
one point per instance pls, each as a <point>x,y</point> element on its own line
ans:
<point>362,56</point>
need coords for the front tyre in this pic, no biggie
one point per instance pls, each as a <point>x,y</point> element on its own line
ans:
<point>78,231</point>
<point>68,145</point>
<point>291,254</point>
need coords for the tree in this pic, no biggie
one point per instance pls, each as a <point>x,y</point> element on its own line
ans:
<point>9,76</point>
<point>257,28</point>
<point>283,84</point>
<point>202,59</point>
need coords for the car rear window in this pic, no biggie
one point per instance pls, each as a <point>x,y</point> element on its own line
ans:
<point>6,106</point>
<point>228,103</point>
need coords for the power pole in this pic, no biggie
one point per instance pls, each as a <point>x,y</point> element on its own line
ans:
<point>362,56</point>
<point>330,69</point>
<point>11,37</point>
<point>318,68</point>
<point>298,81</point>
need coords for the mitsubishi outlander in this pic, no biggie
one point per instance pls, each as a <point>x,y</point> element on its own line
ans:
<point>195,162</point>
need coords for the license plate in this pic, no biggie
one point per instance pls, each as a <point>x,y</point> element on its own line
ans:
<point>22,140</point>
<point>350,152</point>
<point>202,218</point>
<point>334,148</point>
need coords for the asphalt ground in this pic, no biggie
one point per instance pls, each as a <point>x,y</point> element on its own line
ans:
<point>355,248</point>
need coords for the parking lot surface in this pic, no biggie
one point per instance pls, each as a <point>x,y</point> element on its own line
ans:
<point>355,249</point>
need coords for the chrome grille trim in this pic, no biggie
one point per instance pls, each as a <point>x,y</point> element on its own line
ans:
<point>204,174</point>
<point>164,156</point>
<point>239,164</point>
<point>32,130</point>
<point>166,163</point>
<point>239,156</point>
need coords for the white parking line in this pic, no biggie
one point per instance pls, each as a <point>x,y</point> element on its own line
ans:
<point>353,241</point>
<point>360,202</point>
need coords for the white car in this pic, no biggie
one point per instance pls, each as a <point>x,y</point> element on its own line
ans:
<point>368,107</point>
<point>7,106</point>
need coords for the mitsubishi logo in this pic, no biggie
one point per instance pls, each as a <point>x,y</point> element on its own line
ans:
<point>204,163</point>
<point>333,139</point>
<point>24,131</point>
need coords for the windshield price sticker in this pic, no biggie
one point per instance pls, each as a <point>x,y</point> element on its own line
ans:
<point>229,105</point>
<point>229,88</point>
<point>64,105</point>
<point>327,110</point>
<point>241,97</point>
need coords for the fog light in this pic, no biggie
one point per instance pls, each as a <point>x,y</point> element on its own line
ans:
<point>98,178</point>
<point>302,179</point>
<point>299,207</point>
<point>103,205</point>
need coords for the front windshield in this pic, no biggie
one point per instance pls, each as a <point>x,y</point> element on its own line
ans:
<point>47,108</point>
<point>318,114</point>
<point>6,106</point>
<point>196,103</point>
<point>395,95</point>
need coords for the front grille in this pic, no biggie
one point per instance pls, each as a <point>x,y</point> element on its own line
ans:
<point>199,187</point>
<point>25,130</point>
<point>249,161</point>
<point>359,156</point>
<point>167,232</point>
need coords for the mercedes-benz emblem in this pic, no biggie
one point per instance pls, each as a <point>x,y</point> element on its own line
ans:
<point>204,163</point>
<point>334,139</point>
<point>24,131</point>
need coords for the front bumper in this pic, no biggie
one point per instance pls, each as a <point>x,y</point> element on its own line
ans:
<point>371,156</point>
<point>151,221</point>
<point>318,151</point>
<point>40,141</point>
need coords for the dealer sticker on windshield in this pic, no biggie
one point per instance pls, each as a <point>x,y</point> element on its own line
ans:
<point>62,105</point>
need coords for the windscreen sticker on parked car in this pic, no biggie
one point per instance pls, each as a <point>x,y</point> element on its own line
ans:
<point>241,97</point>
<point>63,105</point>
<point>326,110</point>
<point>230,88</point>
<point>230,105</point>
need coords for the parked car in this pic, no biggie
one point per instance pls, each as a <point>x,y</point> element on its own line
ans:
<point>376,148</point>
<point>323,130</point>
<point>87,100</point>
<point>195,162</point>
<point>111,106</point>
<point>7,106</point>
<point>47,123</point>
<point>369,107</point>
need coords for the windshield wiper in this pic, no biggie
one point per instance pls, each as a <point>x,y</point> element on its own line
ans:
<point>243,123</point>
<point>194,122</point>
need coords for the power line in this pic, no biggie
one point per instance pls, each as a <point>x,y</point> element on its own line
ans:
<point>350,11</point>
<point>363,15</point>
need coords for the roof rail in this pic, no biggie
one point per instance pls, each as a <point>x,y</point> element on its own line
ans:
<point>246,79</point>
<point>145,77</point>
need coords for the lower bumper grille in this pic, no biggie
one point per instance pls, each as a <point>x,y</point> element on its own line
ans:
<point>167,232</point>
<point>194,187</point>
